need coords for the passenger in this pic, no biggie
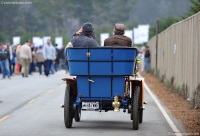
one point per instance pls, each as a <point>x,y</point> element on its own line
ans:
<point>85,37</point>
<point>118,38</point>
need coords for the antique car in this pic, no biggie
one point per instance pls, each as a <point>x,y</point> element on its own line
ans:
<point>103,79</point>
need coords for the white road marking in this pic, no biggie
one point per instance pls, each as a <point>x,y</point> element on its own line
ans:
<point>32,101</point>
<point>170,122</point>
<point>4,118</point>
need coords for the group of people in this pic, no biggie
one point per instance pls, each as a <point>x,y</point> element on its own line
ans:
<point>144,56</point>
<point>23,59</point>
<point>85,37</point>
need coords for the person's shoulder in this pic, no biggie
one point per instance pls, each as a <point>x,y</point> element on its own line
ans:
<point>107,39</point>
<point>128,38</point>
<point>92,42</point>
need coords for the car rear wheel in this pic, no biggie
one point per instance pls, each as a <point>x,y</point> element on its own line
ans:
<point>135,107</point>
<point>68,107</point>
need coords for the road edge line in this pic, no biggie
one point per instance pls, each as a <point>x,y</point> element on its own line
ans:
<point>170,122</point>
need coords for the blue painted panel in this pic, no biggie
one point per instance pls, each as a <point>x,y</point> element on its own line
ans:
<point>123,68</point>
<point>101,87</point>
<point>102,61</point>
<point>77,54</point>
<point>78,68</point>
<point>118,85</point>
<point>100,54</point>
<point>100,68</point>
<point>83,86</point>
<point>124,54</point>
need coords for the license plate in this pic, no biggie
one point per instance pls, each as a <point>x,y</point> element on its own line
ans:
<point>90,105</point>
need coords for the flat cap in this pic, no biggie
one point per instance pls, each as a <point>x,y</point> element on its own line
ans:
<point>119,27</point>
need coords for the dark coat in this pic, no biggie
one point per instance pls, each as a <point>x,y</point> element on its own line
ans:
<point>83,41</point>
<point>118,40</point>
<point>4,54</point>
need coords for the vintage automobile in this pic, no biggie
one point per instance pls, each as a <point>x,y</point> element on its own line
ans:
<point>103,79</point>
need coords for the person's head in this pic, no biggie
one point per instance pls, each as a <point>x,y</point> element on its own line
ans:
<point>88,29</point>
<point>49,41</point>
<point>18,46</point>
<point>119,29</point>
<point>40,47</point>
<point>28,42</point>
<point>7,42</point>
<point>69,44</point>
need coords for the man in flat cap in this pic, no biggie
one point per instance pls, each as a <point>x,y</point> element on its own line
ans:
<point>118,38</point>
<point>85,37</point>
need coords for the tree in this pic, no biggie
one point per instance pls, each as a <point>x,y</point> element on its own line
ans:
<point>163,24</point>
<point>196,6</point>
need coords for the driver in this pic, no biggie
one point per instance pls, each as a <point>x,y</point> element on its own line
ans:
<point>85,37</point>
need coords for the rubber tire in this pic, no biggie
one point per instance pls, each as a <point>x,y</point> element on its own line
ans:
<point>77,116</point>
<point>68,107</point>
<point>135,107</point>
<point>140,115</point>
<point>131,116</point>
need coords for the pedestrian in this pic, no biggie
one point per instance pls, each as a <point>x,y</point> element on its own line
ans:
<point>85,37</point>
<point>13,59</point>
<point>9,46</point>
<point>26,58</point>
<point>49,53</point>
<point>32,63</point>
<point>18,60</point>
<point>39,57</point>
<point>57,58</point>
<point>4,60</point>
<point>118,38</point>
<point>147,56</point>
<point>141,57</point>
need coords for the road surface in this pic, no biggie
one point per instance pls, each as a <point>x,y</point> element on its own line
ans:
<point>31,107</point>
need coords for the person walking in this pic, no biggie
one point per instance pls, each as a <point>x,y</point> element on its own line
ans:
<point>18,60</point>
<point>49,54</point>
<point>13,59</point>
<point>57,58</point>
<point>9,46</point>
<point>32,63</point>
<point>4,60</point>
<point>147,56</point>
<point>26,58</point>
<point>118,38</point>
<point>39,57</point>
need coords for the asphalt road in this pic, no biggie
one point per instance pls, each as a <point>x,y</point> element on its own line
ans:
<point>31,107</point>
